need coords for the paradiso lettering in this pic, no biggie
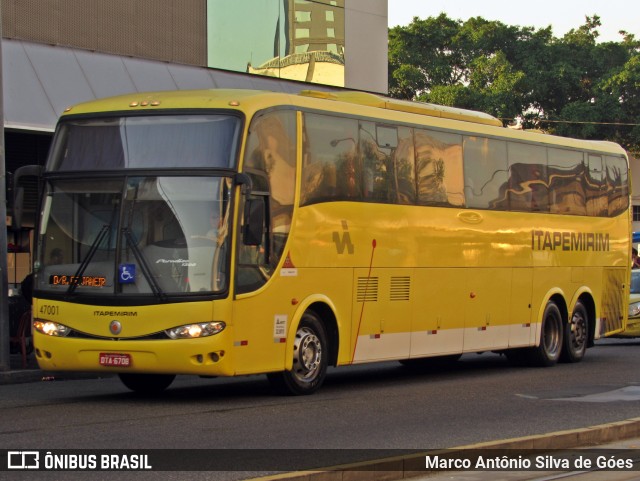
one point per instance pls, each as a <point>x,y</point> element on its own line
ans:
<point>569,241</point>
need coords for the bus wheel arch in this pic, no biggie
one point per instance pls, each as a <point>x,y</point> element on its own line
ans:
<point>330,323</point>
<point>313,346</point>
<point>310,351</point>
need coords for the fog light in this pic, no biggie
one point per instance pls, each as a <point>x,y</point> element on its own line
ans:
<point>192,331</point>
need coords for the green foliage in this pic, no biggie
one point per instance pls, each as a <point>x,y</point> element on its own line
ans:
<point>570,86</point>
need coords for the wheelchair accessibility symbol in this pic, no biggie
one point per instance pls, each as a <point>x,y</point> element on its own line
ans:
<point>127,273</point>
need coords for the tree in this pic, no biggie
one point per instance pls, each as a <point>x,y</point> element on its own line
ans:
<point>571,86</point>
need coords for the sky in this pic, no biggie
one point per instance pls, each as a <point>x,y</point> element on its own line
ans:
<point>562,15</point>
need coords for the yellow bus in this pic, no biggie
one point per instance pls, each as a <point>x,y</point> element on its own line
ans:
<point>233,232</point>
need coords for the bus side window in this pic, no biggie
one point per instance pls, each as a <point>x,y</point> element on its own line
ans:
<point>595,187</point>
<point>378,184</point>
<point>617,185</point>
<point>566,182</point>
<point>331,170</point>
<point>485,173</point>
<point>270,161</point>
<point>439,168</point>
<point>528,178</point>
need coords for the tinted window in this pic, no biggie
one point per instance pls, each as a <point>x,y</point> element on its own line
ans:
<point>146,142</point>
<point>387,163</point>
<point>270,160</point>
<point>528,188</point>
<point>566,182</point>
<point>617,185</point>
<point>330,163</point>
<point>595,187</point>
<point>485,171</point>
<point>439,168</point>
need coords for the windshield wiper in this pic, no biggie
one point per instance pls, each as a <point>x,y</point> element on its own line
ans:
<point>73,285</point>
<point>142,261</point>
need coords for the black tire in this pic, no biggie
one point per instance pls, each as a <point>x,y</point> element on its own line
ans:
<point>576,335</point>
<point>551,339</point>
<point>147,383</point>
<point>310,352</point>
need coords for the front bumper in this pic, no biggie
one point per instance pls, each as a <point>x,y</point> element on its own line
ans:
<point>210,356</point>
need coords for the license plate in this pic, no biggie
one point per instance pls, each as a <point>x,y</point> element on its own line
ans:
<point>115,359</point>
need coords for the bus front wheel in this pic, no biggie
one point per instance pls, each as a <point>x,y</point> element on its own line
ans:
<point>576,335</point>
<point>146,383</point>
<point>310,352</point>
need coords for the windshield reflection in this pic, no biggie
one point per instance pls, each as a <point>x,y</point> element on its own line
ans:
<point>153,236</point>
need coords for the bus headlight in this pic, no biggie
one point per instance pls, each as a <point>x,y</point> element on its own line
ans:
<point>634,309</point>
<point>50,328</point>
<point>192,331</point>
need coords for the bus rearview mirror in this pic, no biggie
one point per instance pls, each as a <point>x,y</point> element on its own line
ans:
<point>253,222</point>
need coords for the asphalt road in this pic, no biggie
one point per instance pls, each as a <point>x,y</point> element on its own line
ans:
<point>362,411</point>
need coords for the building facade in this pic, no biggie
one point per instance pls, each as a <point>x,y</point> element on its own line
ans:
<point>57,53</point>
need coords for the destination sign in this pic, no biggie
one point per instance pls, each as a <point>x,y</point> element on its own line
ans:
<point>80,281</point>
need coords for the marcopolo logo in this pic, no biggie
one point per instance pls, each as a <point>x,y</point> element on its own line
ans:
<point>23,460</point>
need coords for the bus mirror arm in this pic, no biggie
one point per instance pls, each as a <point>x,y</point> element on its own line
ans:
<point>18,191</point>
<point>244,181</point>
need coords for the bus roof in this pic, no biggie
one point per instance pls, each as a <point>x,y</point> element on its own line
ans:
<point>251,101</point>
<point>432,110</point>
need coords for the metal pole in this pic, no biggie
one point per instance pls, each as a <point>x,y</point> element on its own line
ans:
<point>5,358</point>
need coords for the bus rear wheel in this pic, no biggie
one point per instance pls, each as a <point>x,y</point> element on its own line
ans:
<point>548,351</point>
<point>310,352</point>
<point>551,338</point>
<point>576,335</point>
<point>146,383</point>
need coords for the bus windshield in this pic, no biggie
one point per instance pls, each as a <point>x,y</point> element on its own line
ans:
<point>152,141</point>
<point>142,235</point>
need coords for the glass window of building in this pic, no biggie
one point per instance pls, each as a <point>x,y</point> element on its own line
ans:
<point>302,33</point>
<point>303,16</point>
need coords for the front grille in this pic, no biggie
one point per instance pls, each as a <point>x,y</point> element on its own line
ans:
<point>149,337</point>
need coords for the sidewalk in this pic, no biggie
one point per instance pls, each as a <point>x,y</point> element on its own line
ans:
<point>18,373</point>
<point>623,435</point>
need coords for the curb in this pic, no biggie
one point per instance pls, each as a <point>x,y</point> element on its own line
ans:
<point>37,375</point>
<point>401,467</point>
<point>22,376</point>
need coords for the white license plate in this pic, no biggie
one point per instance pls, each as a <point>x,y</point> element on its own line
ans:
<point>115,359</point>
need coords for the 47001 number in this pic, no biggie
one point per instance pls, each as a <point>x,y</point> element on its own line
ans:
<point>49,310</point>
